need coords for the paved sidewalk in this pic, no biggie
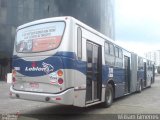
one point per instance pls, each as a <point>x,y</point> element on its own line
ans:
<point>11,105</point>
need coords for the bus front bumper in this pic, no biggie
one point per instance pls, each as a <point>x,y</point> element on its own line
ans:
<point>65,97</point>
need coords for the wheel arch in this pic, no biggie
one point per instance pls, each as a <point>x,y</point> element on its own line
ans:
<point>113,85</point>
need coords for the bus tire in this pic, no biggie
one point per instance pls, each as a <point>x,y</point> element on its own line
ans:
<point>108,96</point>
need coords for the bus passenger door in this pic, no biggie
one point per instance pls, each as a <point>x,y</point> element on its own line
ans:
<point>127,74</point>
<point>93,78</point>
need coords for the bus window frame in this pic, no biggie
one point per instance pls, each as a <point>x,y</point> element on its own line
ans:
<point>109,54</point>
<point>40,24</point>
<point>120,54</point>
<point>106,51</point>
<point>110,44</point>
<point>116,51</point>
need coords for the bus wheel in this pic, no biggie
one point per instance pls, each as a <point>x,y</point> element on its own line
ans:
<point>108,96</point>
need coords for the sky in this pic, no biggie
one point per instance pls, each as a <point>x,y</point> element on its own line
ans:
<point>137,25</point>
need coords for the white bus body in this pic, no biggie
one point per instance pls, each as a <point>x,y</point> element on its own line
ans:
<point>64,61</point>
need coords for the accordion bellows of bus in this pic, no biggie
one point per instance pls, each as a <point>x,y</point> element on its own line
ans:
<point>62,60</point>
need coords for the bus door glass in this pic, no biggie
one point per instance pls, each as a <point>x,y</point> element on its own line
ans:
<point>93,73</point>
<point>127,74</point>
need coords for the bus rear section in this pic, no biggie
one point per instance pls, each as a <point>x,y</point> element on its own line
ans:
<point>39,67</point>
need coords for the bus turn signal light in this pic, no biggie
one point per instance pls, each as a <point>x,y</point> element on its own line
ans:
<point>60,72</point>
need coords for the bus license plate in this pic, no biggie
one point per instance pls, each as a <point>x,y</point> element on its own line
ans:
<point>34,85</point>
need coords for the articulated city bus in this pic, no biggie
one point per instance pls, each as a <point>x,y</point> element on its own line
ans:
<point>62,60</point>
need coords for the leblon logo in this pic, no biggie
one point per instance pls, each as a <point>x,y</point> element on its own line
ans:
<point>47,68</point>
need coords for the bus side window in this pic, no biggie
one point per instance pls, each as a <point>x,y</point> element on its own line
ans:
<point>111,49</point>
<point>119,60</point>
<point>116,52</point>
<point>79,43</point>
<point>106,48</point>
<point>110,54</point>
<point>140,63</point>
<point>120,53</point>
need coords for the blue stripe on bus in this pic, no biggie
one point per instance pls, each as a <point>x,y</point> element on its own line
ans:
<point>61,60</point>
<point>64,60</point>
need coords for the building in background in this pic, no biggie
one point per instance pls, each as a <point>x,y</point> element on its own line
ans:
<point>154,56</point>
<point>98,14</point>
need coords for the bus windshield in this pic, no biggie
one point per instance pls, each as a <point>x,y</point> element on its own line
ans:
<point>40,37</point>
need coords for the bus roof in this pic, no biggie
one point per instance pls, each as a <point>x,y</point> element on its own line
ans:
<point>42,21</point>
<point>64,18</point>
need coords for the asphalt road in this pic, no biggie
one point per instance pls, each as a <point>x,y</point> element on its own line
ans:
<point>146,102</point>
